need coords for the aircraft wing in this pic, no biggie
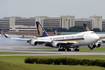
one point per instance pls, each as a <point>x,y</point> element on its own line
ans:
<point>20,38</point>
<point>17,38</point>
<point>103,39</point>
<point>44,40</point>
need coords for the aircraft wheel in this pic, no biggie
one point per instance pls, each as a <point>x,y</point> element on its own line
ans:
<point>61,49</point>
<point>76,49</point>
<point>91,48</point>
<point>68,49</point>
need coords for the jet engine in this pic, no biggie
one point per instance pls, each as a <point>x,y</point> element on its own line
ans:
<point>28,41</point>
<point>55,44</point>
<point>33,42</point>
<point>97,45</point>
<point>92,46</point>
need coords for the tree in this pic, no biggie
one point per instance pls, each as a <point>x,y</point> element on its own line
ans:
<point>96,30</point>
<point>48,30</point>
<point>76,29</point>
<point>61,29</point>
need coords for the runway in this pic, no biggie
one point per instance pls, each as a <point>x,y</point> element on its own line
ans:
<point>9,45</point>
<point>26,49</point>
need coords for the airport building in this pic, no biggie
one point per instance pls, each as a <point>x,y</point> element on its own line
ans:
<point>96,22</point>
<point>103,25</point>
<point>67,21</point>
<point>62,21</point>
<point>79,22</point>
<point>4,24</point>
<point>41,19</point>
<point>19,24</point>
<point>52,23</point>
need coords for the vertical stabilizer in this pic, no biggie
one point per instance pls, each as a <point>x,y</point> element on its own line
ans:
<point>55,32</point>
<point>1,32</point>
<point>40,30</point>
<point>85,27</point>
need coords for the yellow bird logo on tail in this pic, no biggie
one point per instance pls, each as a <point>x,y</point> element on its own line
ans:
<point>40,31</point>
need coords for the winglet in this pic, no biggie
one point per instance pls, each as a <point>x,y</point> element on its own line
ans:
<point>85,27</point>
<point>40,30</point>
<point>55,32</point>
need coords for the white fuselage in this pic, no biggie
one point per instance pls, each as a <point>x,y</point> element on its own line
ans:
<point>83,38</point>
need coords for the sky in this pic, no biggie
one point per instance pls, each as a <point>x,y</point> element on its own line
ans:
<point>52,8</point>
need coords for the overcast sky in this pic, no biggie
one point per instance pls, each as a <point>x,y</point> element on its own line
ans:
<point>52,8</point>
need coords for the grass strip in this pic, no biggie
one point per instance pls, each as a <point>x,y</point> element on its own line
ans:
<point>20,59</point>
<point>23,53</point>
<point>95,49</point>
<point>11,66</point>
<point>17,63</point>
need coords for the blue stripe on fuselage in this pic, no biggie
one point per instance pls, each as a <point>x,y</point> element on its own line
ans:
<point>70,39</point>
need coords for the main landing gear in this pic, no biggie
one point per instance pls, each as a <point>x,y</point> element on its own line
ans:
<point>76,49</point>
<point>67,49</point>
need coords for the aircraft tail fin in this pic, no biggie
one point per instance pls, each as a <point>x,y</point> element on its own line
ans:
<point>85,27</point>
<point>55,32</point>
<point>2,33</point>
<point>40,30</point>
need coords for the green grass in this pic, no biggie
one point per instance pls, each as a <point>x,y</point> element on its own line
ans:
<point>17,63</point>
<point>20,59</point>
<point>10,66</point>
<point>61,67</point>
<point>23,53</point>
<point>95,49</point>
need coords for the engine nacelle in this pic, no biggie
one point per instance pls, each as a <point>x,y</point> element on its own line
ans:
<point>98,45</point>
<point>33,42</point>
<point>92,46</point>
<point>55,44</point>
<point>28,41</point>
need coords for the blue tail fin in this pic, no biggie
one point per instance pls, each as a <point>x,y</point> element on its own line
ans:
<point>1,32</point>
<point>85,27</point>
<point>40,30</point>
<point>55,32</point>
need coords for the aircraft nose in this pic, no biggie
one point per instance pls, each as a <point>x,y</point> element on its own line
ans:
<point>95,37</point>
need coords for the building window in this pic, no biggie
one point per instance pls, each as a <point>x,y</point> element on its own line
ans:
<point>68,23</point>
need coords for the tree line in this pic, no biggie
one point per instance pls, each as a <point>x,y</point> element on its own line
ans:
<point>73,29</point>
